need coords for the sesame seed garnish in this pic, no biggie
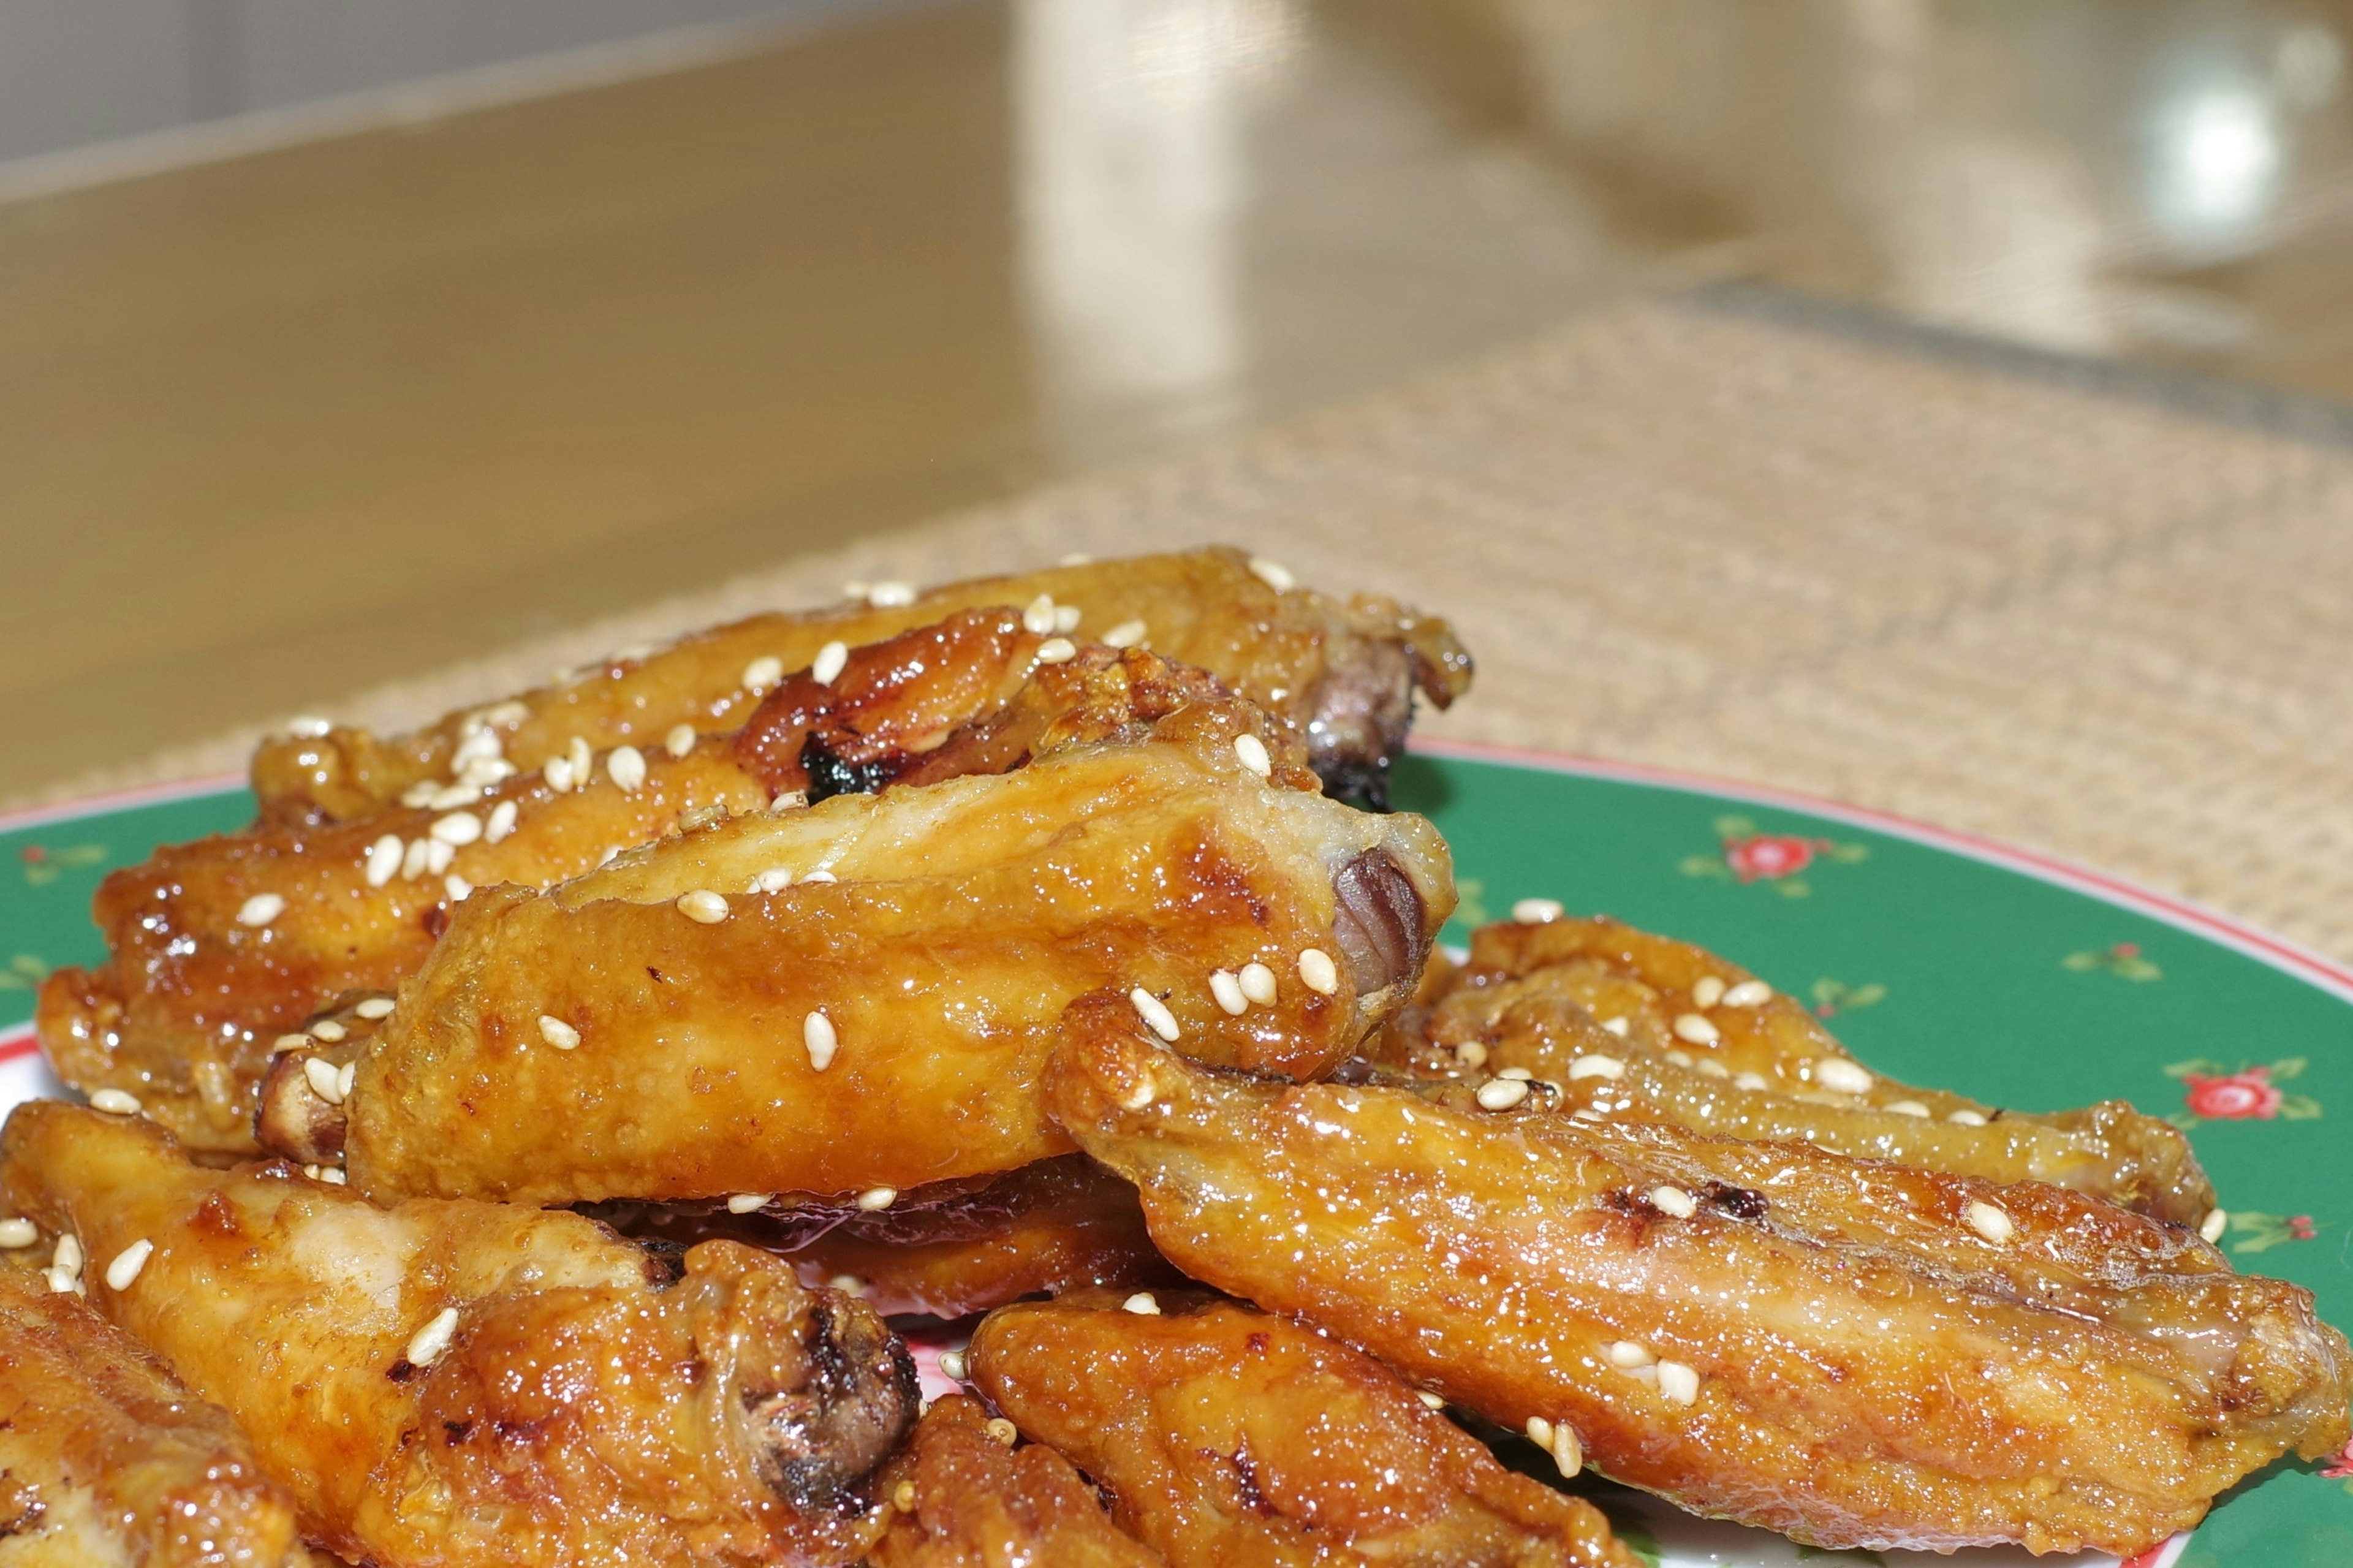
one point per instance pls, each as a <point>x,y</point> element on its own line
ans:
<point>952,1364</point>
<point>789,800</point>
<point>1272,574</point>
<point>2212,1227</point>
<point>1317,972</point>
<point>1905,1107</point>
<point>1692,1026</point>
<point>1626,1355</point>
<point>1039,615</point>
<point>1708,1067</point>
<point>1056,650</point>
<point>374,1008</point>
<point>775,879</point>
<point>1678,1383</point>
<point>1707,991</point>
<point>1434,1401</point>
<point>1539,1431</point>
<point>1127,634</point>
<point>1966,1118</point>
<point>746,1202</point>
<point>1672,1200</point>
<point>1990,1222</point>
<point>1258,984</point>
<point>558,772</point>
<point>583,761</point>
<point>848,1284</point>
<point>1501,1093</point>
<point>1251,750</point>
<point>1154,1013</point>
<point>260,910</point>
<point>382,859</point>
<point>346,1075</point>
<point>831,660</point>
<point>507,715</point>
<point>702,906</point>
<point>17,1234</point>
<point>501,823</point>
<point>1522,1074</point>
<point>1748,994</point>
<point>1844,1076</point>
<point>627,768</point>
<point>325,1082</point>
<point>818,1037</point>
<point>902,1497</point>
<point>439,854</point>
<point>1004,1431</point>
<point>1226,987</point>
<point>1618,1027</point>
<point>1566,1451</point>
<point>1139,1094</point>
<point>1537,911</point>
<point>114,1101</point>
<point>1752,1081</point>
<point>890,596</point>
<point>820,875</point>
<point>412,858</point>
<point>421,793</point>
<point>1067,618</point>
<point>679,741</point>
<point>873,1200</point>
<point>327,1030</point>
<point>1596,1065</point>
<point>1472,1054</point>
<point>461,794</point>
<point>128,1263</point>
<point>297,1041</point>
<point>309,727</point>
<point>1143,1304</point>
<point>557,1033</point>
<point>762,673</point>
<point>425,1347</point>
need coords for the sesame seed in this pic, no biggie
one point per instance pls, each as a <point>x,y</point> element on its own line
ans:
<point>1056,650</point>
<point>818,1037</point>
<point>382,859</point>
<point>745,1203</point>
<point>1678,1383</point>
<point>324,1080</point>
<point>1226,987</point>
<point>1708,1067</point>
<point>1317,972</point>
<point>1253,755</point>
<point>902,1497</point>
<point>848,1284</point>
<point>309,727</point>
<point>374,1008</point>
<point>1154,1013</point>
<point>297,1041</point>
<point>557,772</point>
<point>345,1077</point>
<point>890,596</point>
<point>1748,994</point>
<point>425,1347</point>
<point>1626,1355</point>
<point>62,1282</point>
<point>679,741</point>
<point>1536,911</point>
<point>763,673</point>
<point>1698,1030</point>
<point>1472,1054</point>
<point>1990,1222</point>
<point>420,793</point>
<point>1272,574</point>
<point>412,858</point>
<point>260,910</point>
<point>1127,634</point>
<point>702,906</point>
<point>114,1101</point>
<point>479,744</point>
<point>1067,618</point>
<point>17,1234</point>
<point>557,1033</point>
<point>1966,1118</point>
<point>1039,615</point>
<point>1539,1431</point>
<point>627,768</point>
<point>1140,1094</point>
<point>1522,1074</point>
<point>1596,1065</point>
<point>507,715</point>
<point>1672,1200</point>
<point>327,1030</point>
<point>1501,1093</point>
<point>831,660</point>
<point>1681,1058</point>
<point>67,1254</point>
<point>1905,1107</point>
<point>1618,1027</point>
<point>501,823</point>
<point>1004,1431</point>
<point>1143,1304</point>
<point>952,1364</point>
<point>452,795</point>
<point>439,854</point>
<point>1707,991</point>
<point>820,875</point>
<point>789,800</point>
<point>331,1174</point>
<point>1258,984</point>
<point>1435,1401</point>
<point>2210,1229</point>
<point>1843,1076</point>
<point>875,1199</point>
<point>128,1263</point>
<point>583,761</point>
<point>1752,1081</point>
<point>1566,1451</point>
<point>775,879</point>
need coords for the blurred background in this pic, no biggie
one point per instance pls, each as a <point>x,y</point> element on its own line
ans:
<point>343,340</point>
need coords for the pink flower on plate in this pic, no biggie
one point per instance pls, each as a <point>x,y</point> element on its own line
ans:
<point>2340,1469</point>
<point>1769,857</point>
<point>2242,1097</point>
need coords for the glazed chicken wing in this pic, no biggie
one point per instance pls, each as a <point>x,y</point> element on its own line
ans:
<point>451,1383</point>
<point>1231,1439</point>
<point>106,1461</point>
<point>1669,1032</point>
<point>1343,672</point>
<point>1858,1353</point>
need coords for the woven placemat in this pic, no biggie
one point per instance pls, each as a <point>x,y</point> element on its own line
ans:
<point>2095,612</point>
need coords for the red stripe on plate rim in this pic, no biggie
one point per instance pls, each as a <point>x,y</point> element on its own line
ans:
<point>118,800</point>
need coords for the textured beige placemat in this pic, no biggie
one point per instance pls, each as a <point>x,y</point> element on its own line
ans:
<point>2097,615</point>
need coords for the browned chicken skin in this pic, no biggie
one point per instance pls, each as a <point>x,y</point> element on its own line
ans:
<point>1855,1353</point>
<point>1229,1438</point>
<point>454,1383</point>
<point>1669,1032</point>
<point>106,1461</point>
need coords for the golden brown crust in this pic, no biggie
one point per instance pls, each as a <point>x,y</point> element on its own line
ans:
<point>1229,1438</point>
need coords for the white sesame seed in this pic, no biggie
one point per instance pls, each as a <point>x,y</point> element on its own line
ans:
<point>1905,1107</point>
<point>62,1282</point>
<point>128,1263</point>
<point>1537,911</point>
<point>478,745</point>
<point>1596,1065</point>
<point>820,875</point>
<point>1539,1431</point>
<point>1056,650</point>
<point>789,800</point>
<point>67,1255</point>
<point>679,741</point>
<point>324,1080</point>
<point>501,823</point>
<point>421,793</point>
<point>1748,994</point>
<point>412,858</point>
<point>1672,1200</point>
<point>952,1364</point>
<point>1258,984</point>
<point>1039,615</point>
<point>1317,972</point>
<point>439,854</point>
<point>507,715</point>
<point>831,660</point>
<point>583,761</point>
<point>332,1175</point>
<point>1127,634</point>
<point>1692,1026</point>
<point>327,1030</point>
<point>557,772</point>
<point>875,1199</point>
<point>297,1041</point>
<point>260,910</point>
<point>818,1038</point>
<point>1679,1384</point>
<point>425,1347</point>
<point>382,859</point>
<point>1626,1354</point>
<point>702,906</point>
<point>1272,574</point>
<point>1966,1118</point>
<point>1434,1401</point>
<point>346,1075</point>
<point>1566,1451</point>
<point>746,1202</point>
<point>627,768</point>
<point>1501,1093</point>
<point>1472,1054</point>
<point>775,879</point>
<point>1752,1081</point>
<point>18,1234</point>
<point>1706,991</point>
<point>1143,1304</point>
<point>114,1101</point>
<point>1253,752</point>
<point>374,1008</point>
<point>1067,618</point>
<point>2210,1228</point>
<point>1140,1093</point>
<point>763,673</point>
<point>1989,1222</point>
<point>1618,1027</point>
<point>557,1033</point>
<point>1522,1074</point>
<point>1844,1076</point>
<point>1708,1067</point>
<point>890,596</point>
<point>1228,989</point>
<point>309,727</point>
<point>1004,1431</point>
<point>452,795</point>
<point>1154,1013</point>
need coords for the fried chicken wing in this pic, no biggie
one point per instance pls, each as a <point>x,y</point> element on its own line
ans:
<point>655,1030</point>
<point>1343,671</point>
<point>1858,1353</point>
<point>965,1498</point>
<point>1672,1033</point>
<point>1229,1438</point>
<point>106,1461</point>
<point>453,1382</point>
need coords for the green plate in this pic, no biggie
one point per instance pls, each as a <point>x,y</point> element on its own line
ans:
<point>1940,959</point>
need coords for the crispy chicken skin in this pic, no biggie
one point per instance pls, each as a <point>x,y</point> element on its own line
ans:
<point>106,1461</point>
<point>963,1498</point>
<point>1229,1438</point>
<point>884,1029</point>
<point>452,1383</point>
<point>1707,1045</point>
<point>1343,671</point>
<point>1855,1353</point>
